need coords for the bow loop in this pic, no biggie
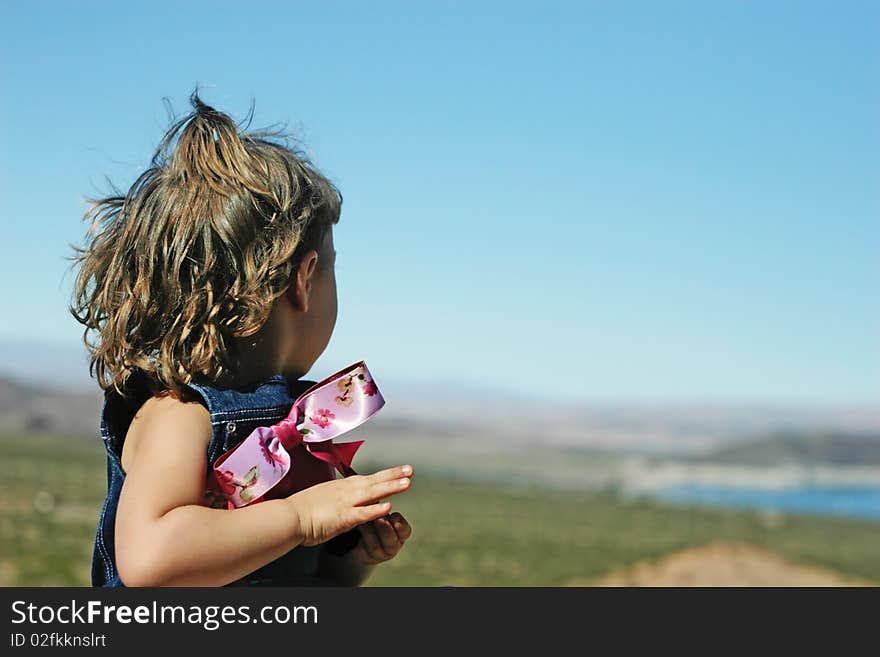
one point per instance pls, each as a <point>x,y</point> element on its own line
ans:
<point>328,409</point>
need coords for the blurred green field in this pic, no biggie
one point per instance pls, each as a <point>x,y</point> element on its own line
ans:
<point>465,532</point>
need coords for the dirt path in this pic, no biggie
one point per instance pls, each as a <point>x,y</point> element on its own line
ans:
<point>722,564</point>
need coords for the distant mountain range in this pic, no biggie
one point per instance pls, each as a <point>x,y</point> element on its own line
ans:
<point>806,448</point>
<point>711,432</point>
<point>28,408</point>
<point>44,387</point>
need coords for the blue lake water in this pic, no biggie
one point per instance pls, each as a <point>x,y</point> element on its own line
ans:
<point>850,501</point>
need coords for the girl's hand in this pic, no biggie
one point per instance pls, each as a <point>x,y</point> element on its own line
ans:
<point>381,540</point>
<point>330,508</point>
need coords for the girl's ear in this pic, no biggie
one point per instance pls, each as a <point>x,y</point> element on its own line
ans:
<point>298,291</point>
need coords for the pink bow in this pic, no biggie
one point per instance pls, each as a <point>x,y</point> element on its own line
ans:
<point>328,409</point>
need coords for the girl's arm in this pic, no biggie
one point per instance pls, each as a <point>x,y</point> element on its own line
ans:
<point>166,537</point>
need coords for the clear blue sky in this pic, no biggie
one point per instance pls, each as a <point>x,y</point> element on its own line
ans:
<point>645,201</point>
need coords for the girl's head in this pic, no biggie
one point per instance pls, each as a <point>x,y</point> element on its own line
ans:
<point>227,237</point>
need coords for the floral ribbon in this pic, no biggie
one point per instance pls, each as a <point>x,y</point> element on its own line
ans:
<point>328,409</point>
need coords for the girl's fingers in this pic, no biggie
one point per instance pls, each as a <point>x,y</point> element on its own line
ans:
<point>401,526</point>
<point>364,514</point>
<point>387,536</point>
<point>379,490</point>
<point>370,541</point>
<point>390,473</point>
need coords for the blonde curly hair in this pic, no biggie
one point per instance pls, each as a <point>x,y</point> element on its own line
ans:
<point>196,252</point>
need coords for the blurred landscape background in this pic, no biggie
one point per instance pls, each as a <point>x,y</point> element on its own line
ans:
<point>607,495</point>
<point>613,265</point>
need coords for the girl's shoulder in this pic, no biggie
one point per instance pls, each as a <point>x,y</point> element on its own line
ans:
<point>166,418</point>
<point>135,402</point>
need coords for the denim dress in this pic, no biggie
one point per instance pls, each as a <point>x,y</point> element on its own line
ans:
<point>234,414</point>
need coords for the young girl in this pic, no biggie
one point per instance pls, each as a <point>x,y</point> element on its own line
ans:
<point>211,286</point>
